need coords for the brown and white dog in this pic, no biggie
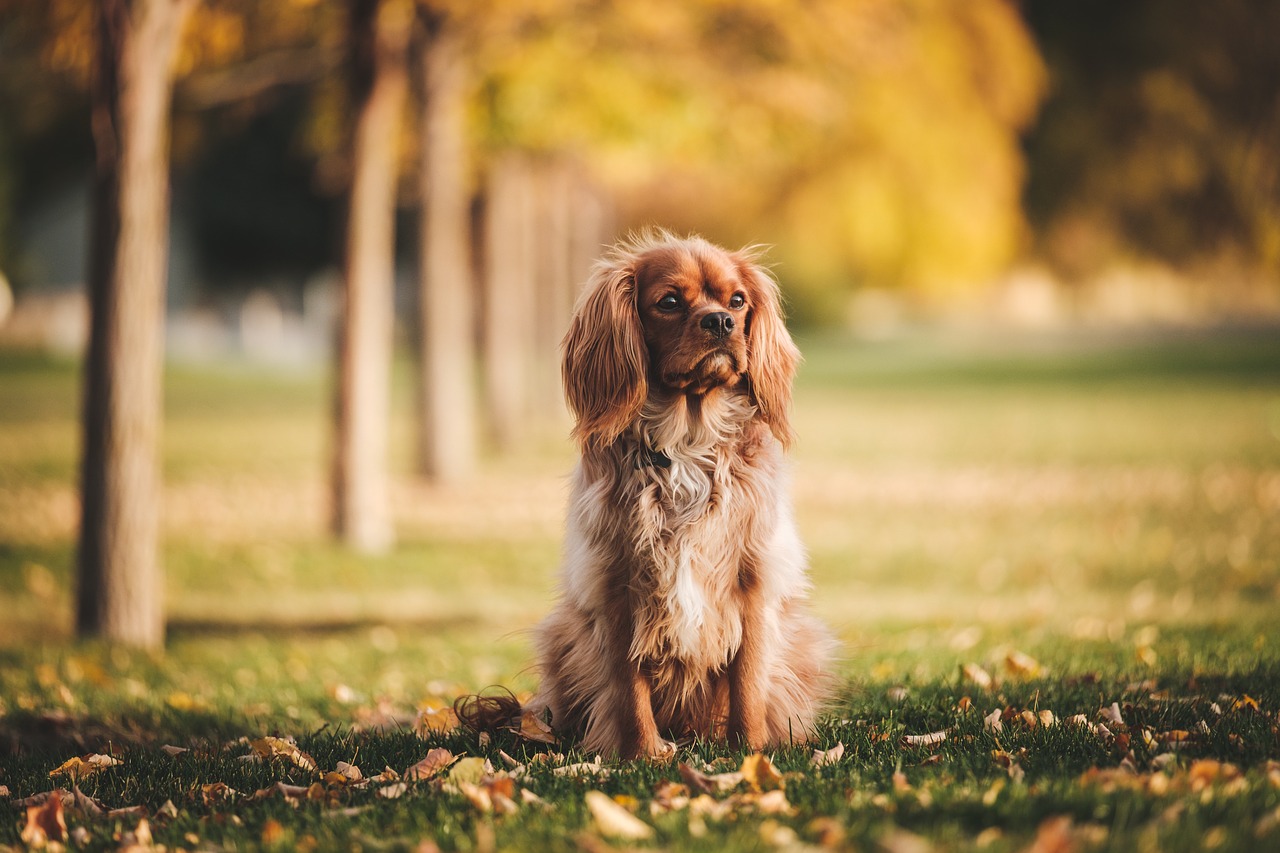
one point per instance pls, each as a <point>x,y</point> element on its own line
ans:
<point>683,608</point>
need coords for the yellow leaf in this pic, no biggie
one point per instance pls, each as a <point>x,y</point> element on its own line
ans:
<point>437,759</point>
<point>472,770</point>
<point>80,767</point>
<point>760,774</point>
<point>436,721</point>
<point>278,747</point>
<point>1021,665</point>
<point>614,821</point>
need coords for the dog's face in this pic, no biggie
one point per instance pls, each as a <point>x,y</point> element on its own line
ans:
<point>694,307</point>
<point>678,316</point>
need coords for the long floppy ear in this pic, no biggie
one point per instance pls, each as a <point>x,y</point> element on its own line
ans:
<point>605,359</point>
<point>772,356</point>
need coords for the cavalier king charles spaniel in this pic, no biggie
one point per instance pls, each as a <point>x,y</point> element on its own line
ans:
<point>683,610</point>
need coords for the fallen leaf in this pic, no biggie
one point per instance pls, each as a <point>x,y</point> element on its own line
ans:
<point>266,748</point>
<point>992,723</point>
<point>583,768</point>
<point>173,750</point>
<point>614,821</point>
<point>976,674</point>
<point>760,774</point>
<point>1021,665</point>
<point>773,802</point>
<point>823,757</point>
<point>80,767</point>
<point>533,728</point>
<point>217,792</point>
<point>272,831</point>
<point>1112,714</point>
<point>436,760</point>
<point>45,824</point>
<point>436,721</point>
<point>472,770</point>
<point>930,739</point>
<point>394,791</point>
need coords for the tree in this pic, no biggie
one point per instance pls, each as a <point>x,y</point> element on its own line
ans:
<point>361,500</point>
<point>446,440</point>
<point>120,593</point>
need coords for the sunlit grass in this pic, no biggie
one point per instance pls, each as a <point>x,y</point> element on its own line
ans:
<point>1112,512</point>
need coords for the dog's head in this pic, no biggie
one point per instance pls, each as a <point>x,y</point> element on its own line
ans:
<point>679,316</point>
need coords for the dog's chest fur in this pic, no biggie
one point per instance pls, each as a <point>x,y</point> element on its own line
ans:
<point>687,533</point>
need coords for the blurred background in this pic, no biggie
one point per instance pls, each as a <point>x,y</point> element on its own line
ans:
<point>1041,163</point>
<point>1031,251</point>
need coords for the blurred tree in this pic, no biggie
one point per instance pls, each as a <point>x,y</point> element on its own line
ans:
<point>121,594</point>
<point>874,142</point>
<point>379,33</point>
<point>446,440</point>
<point>1161,137</point>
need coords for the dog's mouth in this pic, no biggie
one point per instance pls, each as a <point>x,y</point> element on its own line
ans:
<point>716,369</point>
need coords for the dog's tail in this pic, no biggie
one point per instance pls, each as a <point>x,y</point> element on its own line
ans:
<point>491,710</point>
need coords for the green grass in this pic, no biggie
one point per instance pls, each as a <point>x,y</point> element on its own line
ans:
<point>1110,508</point>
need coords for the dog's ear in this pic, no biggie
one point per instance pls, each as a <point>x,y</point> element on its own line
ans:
<point>605,359</point>
<point>772,356</point>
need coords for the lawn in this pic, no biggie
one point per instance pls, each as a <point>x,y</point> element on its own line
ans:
<point>1054,568</point>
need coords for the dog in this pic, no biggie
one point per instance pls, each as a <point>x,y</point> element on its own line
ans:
<point>683,609</point>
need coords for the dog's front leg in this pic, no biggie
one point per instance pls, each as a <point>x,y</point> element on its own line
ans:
<point>631,703</point>
<point>747,694</point>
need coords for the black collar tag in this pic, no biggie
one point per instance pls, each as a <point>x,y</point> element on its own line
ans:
<point>655,458</point>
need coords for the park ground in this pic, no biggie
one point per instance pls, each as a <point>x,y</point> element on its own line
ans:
<point>1053,566</point>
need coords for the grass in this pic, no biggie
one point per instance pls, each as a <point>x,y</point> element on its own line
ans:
<point>1109,510</point>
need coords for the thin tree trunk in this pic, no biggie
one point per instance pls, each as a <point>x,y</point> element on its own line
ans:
<point>446,446</point>
<point>120,594</point>
<point>509,297</point>
<point>361,499</point>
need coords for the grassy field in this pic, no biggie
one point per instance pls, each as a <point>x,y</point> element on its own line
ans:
<point>1085,528</point>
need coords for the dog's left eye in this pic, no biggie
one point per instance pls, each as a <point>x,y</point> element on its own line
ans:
<point>668,303</point>
<point>737,300</point>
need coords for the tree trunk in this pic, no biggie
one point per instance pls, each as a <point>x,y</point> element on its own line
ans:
<point>446,445</point>
<point>120,595</point>
<point>361,499</point>
<point>509,303</point>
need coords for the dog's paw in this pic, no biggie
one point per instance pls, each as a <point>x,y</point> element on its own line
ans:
<point>661,750</point>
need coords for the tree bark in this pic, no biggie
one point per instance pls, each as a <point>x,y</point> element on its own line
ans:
<point>120,594</point>
<point>446,443</point>
<point>361,499</point>
<point>509,304</point>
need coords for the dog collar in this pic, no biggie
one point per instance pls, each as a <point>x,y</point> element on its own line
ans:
<point>654,458</point>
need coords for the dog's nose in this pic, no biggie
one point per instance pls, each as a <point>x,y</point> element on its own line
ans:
<point>719,324</point>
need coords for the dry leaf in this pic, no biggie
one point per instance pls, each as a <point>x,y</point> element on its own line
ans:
<point>472,770</point>
<point>533,728</point>
<point>773,802</point>
<point>760,774</point>
<point>1112,714</point>
<point>823,757</point>
<point>266,748</point>
<point>992,723</point>
<point>614,821</point>
<point>45,823</point>
<point>173,750</point>
<point>584,768</point>
<point>930,739</point>
<point>393,791</point>
<point>436,721</point>
<point>1021,665</point>
<point>216,792</point>
<point>976,674</point>
<point>437,760</point>
<point>80,767</point>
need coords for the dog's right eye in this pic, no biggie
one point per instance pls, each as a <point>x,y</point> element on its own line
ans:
<point>668,303</point>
